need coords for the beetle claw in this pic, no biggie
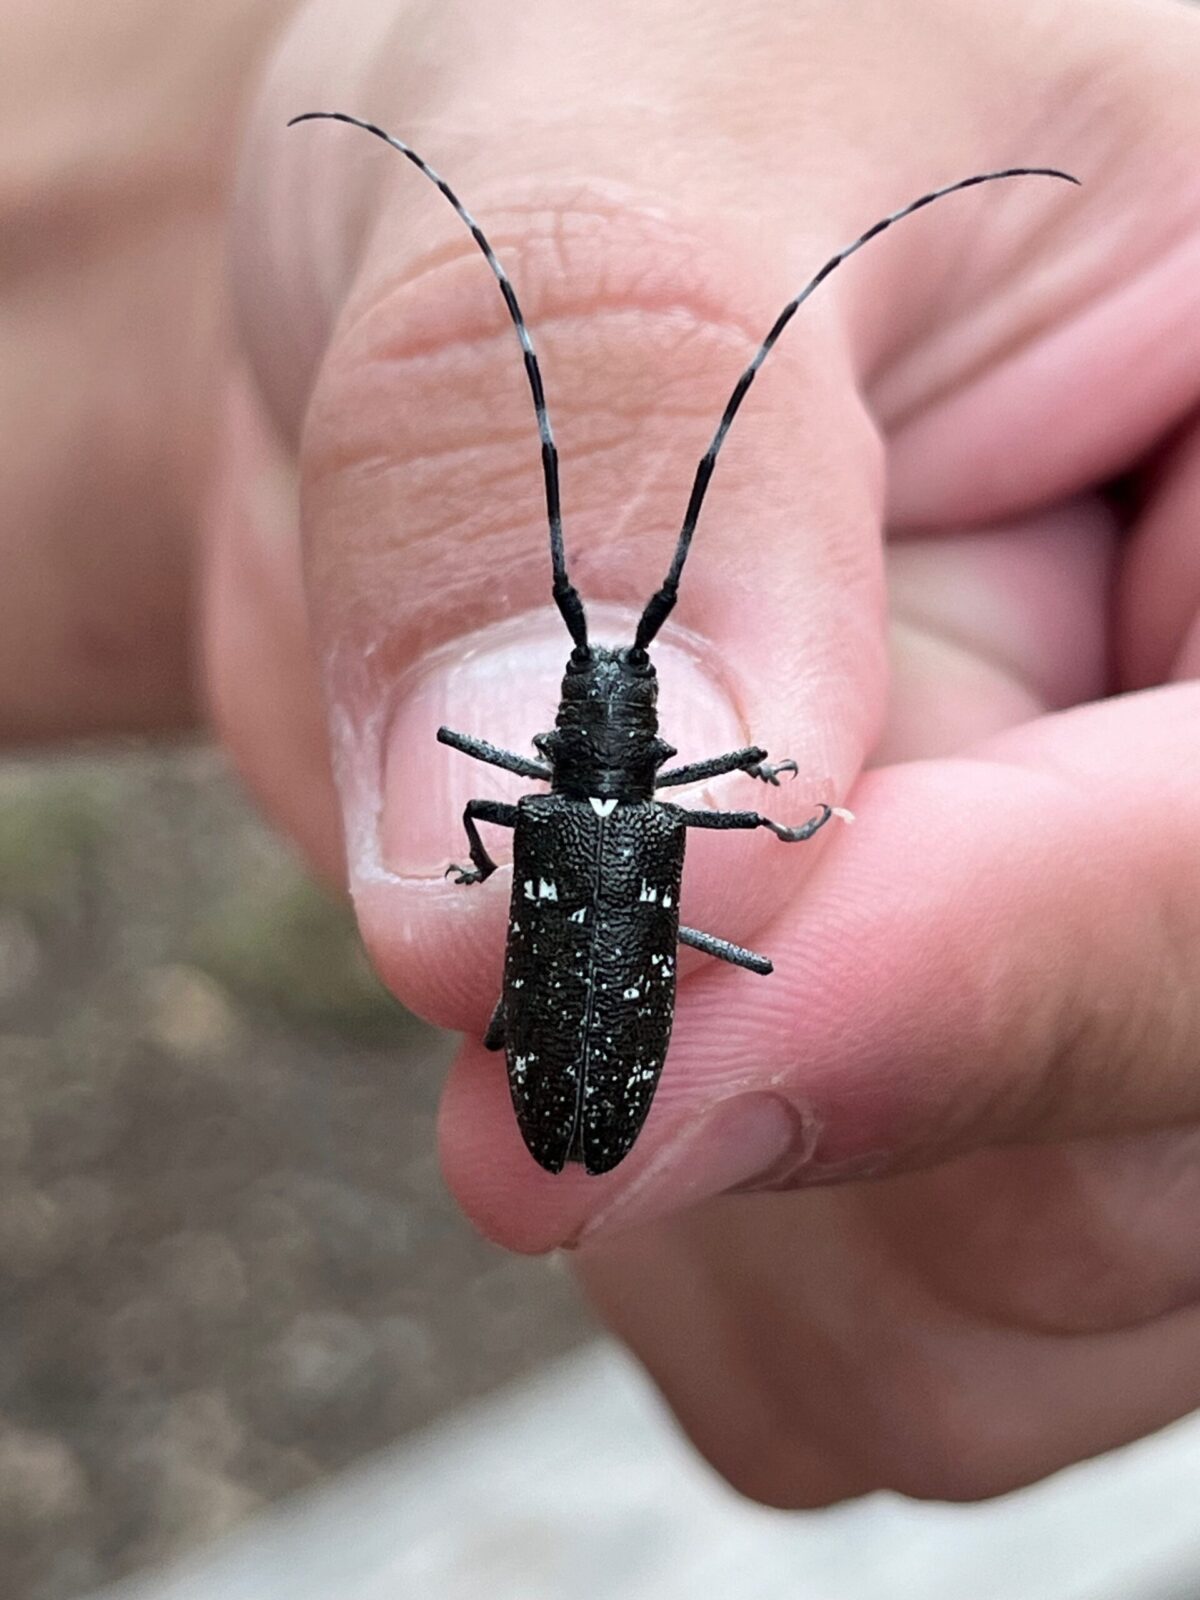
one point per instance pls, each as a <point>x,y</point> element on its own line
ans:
<point>769,772</point>
<point>806,831</point>
<point>464,876</point>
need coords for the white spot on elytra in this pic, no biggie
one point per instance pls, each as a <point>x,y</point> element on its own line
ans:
<point>602,808</point>
<point>529,894</point>
<point>547,891</point>
<point>650,894</point>
<point>632,994</point>
<point>578,916</point>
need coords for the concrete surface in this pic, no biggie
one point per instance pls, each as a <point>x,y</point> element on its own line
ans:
<point>574,1486</point>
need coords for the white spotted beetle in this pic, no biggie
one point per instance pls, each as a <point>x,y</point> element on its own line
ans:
<point>589,980</point>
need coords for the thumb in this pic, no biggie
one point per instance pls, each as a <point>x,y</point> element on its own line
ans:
<point>428,571</point>
<point>648,280</point>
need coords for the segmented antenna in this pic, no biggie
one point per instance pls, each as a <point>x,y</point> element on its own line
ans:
<point>660,605</point>
<point>566,596</point>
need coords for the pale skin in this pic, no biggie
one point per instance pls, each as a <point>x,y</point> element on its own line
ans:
<point>969,1093</point>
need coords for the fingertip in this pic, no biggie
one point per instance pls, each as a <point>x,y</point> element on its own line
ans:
<point>499,1186</point>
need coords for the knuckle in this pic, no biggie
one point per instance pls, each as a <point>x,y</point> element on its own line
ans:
<point>642,322</point>
<point>894,1418</point>
<point>606,286</point>
<point>939,1442</point>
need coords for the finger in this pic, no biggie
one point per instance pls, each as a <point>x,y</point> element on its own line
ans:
<point>849,1374</point>
<point>1110,372</point>
<point>116,136</point>
<point>261,680</point>
<point>415,629</point>
<point>301,225</point>
<point>1003,950</point>
<point>990,627</point>
<point>1159,596</point>
<point>418,586</point>
<point>636,308</point>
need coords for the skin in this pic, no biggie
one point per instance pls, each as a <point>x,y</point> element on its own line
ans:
<point>961,1119</point>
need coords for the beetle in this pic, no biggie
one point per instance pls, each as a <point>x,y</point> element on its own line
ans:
<point>589,979</point>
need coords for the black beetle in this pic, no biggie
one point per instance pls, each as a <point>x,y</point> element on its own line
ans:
<point>589,978</point>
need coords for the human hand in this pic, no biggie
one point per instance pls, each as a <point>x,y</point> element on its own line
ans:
<point>118,130</point>
<point>984,998</point>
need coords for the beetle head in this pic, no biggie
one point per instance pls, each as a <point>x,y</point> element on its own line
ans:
<point>605,741</point>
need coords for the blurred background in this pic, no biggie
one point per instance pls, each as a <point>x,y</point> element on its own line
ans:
<point>228,1265</point>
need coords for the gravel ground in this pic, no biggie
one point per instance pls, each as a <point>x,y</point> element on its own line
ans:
<point>227,1263</point>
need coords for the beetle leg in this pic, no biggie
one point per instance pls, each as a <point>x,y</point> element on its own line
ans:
<point>493,1039</point>
<point>481,750</point>
<point>724,951</point>
<point>751,760</point>
<point>483,811</point>
<point>751,819</point>
<point>736,761</point>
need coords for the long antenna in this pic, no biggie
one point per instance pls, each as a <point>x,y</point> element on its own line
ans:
<point>660,605</point>
<point>566,596</point>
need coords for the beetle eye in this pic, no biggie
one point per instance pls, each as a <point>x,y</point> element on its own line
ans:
<point>637,656</point>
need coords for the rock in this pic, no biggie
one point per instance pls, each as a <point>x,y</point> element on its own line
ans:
<point>324,1356</point>
<point>188,1012</point>
<point>145,1346</point>
<point>88,1213</point>
<point>203,1428</point>
<point>318,1383</point>
<point>203,1273</point>
<point>20,955</point>
<point>32,1237</point>
<point>42,1485</point>
<point>16,1126</point>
